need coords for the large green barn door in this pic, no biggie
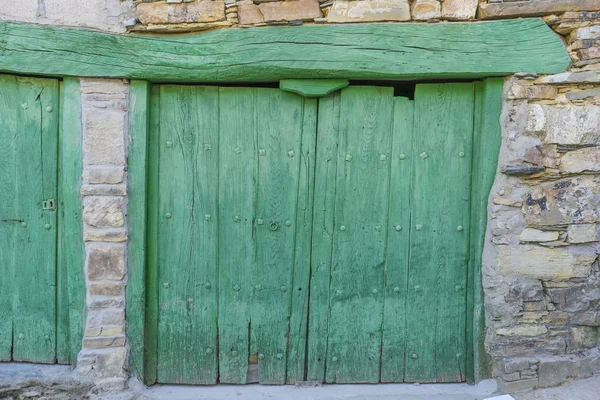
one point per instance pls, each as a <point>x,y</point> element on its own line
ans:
<point>234,226</point>
<point>28,164</point>
<point>389,263</point>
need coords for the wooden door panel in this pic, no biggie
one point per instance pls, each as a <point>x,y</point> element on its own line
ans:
<point>29,134</point>
<point>235,203</point>
<point>360,235</point>
<point>398,245</point>
<point>187,323</point>
<point>436,305</point>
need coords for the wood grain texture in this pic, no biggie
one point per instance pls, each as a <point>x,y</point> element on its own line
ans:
<point>360,235</point>
<point>188,176</point>
<point>487,138</point>
<point>398,245</point>
<point>72,253</point>
<point>152,284</point>
<point>435,349</point>
<point>29,131</point>
<point>298,330</point>
<point>322,237</point>
<point>237,254</point>
<point>313,87</point>
<point>364,51</point>
<point>139,102</point>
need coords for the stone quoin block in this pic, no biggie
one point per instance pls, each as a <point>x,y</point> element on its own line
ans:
<point>105,262</point>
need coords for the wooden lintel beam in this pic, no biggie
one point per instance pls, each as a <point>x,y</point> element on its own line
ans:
<point>361,51</point>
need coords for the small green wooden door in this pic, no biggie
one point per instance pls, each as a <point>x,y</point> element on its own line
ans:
<point>311,239</point>
<point>28,180</point>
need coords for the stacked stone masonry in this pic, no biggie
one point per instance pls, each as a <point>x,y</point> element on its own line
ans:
<point>104,121</point>
<point>541,268</point>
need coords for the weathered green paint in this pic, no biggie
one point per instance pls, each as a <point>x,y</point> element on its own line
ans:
<point>234,174</point>
<point>312,87</point>
<point>298,330</point>
<point>360,234</point>
<point>322,242</point>
<point>139,98</point>
<point>441,162</point>
<point>487,137</point>
<point>375,277</point>
<point>71,250</point>
<point>153,159</point>
<point>398,245</point>
<point>188,182</point>
<point>28,242</point>
<point>363,51</point>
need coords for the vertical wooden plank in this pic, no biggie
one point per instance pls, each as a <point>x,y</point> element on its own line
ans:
<point>34,306</point>
<point>296,360</point>
<point>322,237</point>
<point>63,348</point>
<point>10,110</point>
<point>139,97</point>
<point>236,224</point>
<point>439,242</point>
<point>187,324</point>
<point>398,245</point>
<point>72,251</point>
<point>279,124</point>
<point>360,235</point>
<point>487,138</point>
<point>152,284</point>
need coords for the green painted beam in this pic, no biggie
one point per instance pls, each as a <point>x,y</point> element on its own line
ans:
<point>363,51</point>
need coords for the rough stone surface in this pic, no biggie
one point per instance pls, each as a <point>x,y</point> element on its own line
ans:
<point>290,10</point>
<point>535,235</point>
<point>583,233</point>
<point>165,13</point>
<point>105,174</point>
<point>582,160</point>
<point>108,15</point>
<point>103,212</point>
<point>423,10</point>
<point>249,13</point>
<point>105,262</point>
<point>544,263</point>
<point>369,11</point>
<point>567,201</point>
<point>459,9</point>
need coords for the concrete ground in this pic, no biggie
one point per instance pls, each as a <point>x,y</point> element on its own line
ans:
<point>53,382</point>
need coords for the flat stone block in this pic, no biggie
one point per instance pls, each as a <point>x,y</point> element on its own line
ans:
<point>105,262</point>
<point>103,212</point>
<point>104,140</point>
<point>567,201</point>
<point>105,236</point>
<point>544,263</point>
<point>369,11</point>
<point>423,10</point>
<point>459,9</point>
<point>290,10</point>
<point>105,174</point>
<point>105,288</point>
<point>103,342</point>
<point>165,13</point>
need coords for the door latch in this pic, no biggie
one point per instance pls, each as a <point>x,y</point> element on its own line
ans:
<point>49,204</point>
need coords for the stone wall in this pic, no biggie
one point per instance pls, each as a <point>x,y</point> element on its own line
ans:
<point>107,15</point>
<point>541,268</point>
<point>104,122</point>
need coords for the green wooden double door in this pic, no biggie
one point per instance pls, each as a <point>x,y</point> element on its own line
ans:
<point>31,328</point>
<point>310,239</point>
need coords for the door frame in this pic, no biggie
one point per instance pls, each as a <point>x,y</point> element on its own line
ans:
<point>141,290</point>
